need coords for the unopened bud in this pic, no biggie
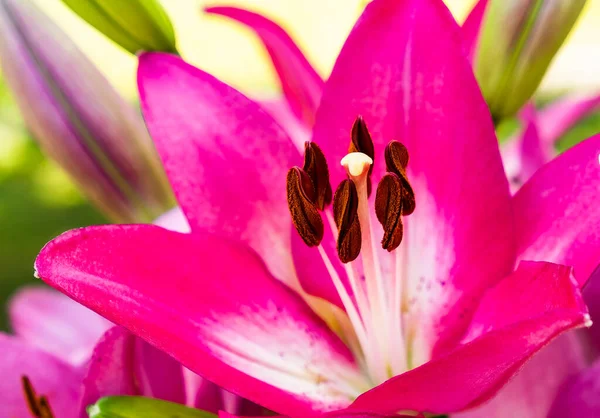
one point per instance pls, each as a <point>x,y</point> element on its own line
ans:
<point>79,119</point>
<point>518,40</point>
<point>135,25</point>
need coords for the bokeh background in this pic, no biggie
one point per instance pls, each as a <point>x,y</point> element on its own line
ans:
<point>38,201</point>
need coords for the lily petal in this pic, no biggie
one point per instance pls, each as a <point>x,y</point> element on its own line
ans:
<point>591,296</point>
<point>516,319</point>
<point>472,26</point>
<point>556,211</point>
<point>226,158</point>
<point>111,369</point>
<point>579,397</point>
<point>122,364</point>
<point>157,374</point>
<point>532,391</point>
<point>336,414</point>
<point>174,220</point>
<point>524,154</point>
<point>49,320</point>
<point>144,278</point>
<point>51,377</point>
<point>281,112</point>
<point>403,69</point>
<point>301,84</point>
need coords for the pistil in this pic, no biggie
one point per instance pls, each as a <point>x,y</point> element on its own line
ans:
<point>358,167</point>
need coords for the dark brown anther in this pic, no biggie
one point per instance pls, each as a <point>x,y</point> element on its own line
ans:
<point>315,165</point>
<point>396,156</point>
<point>31,397</point>
<point>396,161</point>
<point>38,407</point>
<point>305,214</point>
<point>345,213</point>
<point>45,408</point>
<point>361,141</point>
<point>388,208</point>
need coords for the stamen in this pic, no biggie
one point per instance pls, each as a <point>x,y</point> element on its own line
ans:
<point>315,165</point>
<point>305,214</point>
<point>345,209</point>
<point>361,141</point>
<point>396,161</point>
<point>38,406</point>
<point>388,208</point>
<point>45,408</point>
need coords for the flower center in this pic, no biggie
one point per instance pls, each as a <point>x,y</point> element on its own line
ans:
<point>38,405</point>
<point>373,294</point>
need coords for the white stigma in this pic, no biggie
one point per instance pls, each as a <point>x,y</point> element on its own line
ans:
<point>357,163</point>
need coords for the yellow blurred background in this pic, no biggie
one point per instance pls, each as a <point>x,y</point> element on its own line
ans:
<point>319,26</point>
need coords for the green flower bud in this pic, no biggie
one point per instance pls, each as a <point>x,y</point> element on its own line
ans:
<point>140,407</point>
<point>136,25</point>
<point>518,40</point>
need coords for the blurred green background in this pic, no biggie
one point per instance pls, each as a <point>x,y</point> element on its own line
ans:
<point>38,201</point>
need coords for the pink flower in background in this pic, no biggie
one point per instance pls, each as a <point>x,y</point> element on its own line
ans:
<point>51,356</point>
<point>536,143</point>
<point>72,356</point>
<point>437,324</point>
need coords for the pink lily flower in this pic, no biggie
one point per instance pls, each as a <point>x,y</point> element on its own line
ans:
<point>52,357</point>
<point>438,325</point>
<point>72,357</point>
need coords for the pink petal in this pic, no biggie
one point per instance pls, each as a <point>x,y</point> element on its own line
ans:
<point>531,392</point>
<point>210,304</point>
<point>301,84</point>
<point>404,70</point>
<point>229,174</point>
<point>173,220</point>
<point>50,376</point>
<point>516,319</point>
<point>111,369</point>
<point>226,158</point>
<point>157,374</point>
<point>579,397</point>
<point>525,152</point>
<point>281,112</point>
<point>54,323</point>
<point>337,414</point>
<point>534,289</point>
<point>591,295</point>
<point>534,153</point>
<point>556,211</point>
<point>560,116</point>
<point>472,26</point>
<point>122,364</point>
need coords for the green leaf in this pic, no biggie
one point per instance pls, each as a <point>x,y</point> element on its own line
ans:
<point>136,25</point>
<point>140,407</point>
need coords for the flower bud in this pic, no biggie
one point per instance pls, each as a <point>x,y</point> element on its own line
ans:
<point>78,118</point>
<point>518,40</point>
<point>135,25</point>
<point>137,406</point>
